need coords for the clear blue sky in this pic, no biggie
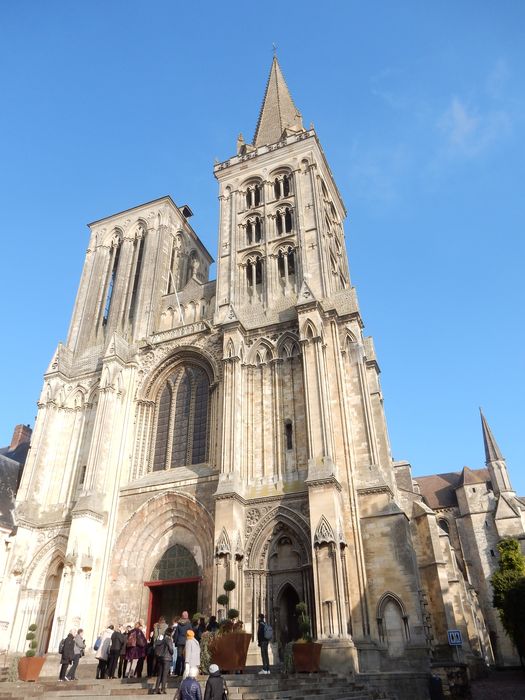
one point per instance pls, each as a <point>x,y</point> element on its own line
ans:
<point>420,108</point>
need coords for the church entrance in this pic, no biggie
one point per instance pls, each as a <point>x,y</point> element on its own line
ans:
<point>174,586</point>
<point>287,617</point>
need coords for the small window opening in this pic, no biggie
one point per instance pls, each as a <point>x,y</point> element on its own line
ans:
<point>280,264</point>
<point>291,263</point>
<point>258,271</point>
<point>136,281</point>
<point>82,477</point>
<point>288,221</point>
<point>289,435</point>
<point>492,553</point>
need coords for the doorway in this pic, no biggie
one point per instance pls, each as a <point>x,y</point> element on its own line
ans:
<point>287,616</point>
<point>170,598</point>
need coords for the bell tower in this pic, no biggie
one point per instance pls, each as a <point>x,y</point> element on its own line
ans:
<point>280,215</point>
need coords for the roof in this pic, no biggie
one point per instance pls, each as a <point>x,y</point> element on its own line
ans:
<point>492,451</point>
<point>278,111</point>
<point>439,490</point>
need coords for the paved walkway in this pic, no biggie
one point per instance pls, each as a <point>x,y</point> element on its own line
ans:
<point>500,685</point>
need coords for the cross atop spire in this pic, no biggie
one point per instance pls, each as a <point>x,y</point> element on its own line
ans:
<point>278,111</point>
<point>492,451</point>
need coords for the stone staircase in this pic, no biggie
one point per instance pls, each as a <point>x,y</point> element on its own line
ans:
<point>248,686</point>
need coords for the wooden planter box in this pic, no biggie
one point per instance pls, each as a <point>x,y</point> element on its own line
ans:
<point>307,657</point>
<point>29,667</point>
<point>229,651</point>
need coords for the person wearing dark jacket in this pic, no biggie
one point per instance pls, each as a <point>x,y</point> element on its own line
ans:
<point>118,640</point>
<point>263,643</point>
<point>215,685</point>
<point>68,654</point>
<point>183,626</point>
<point>163,651</point>
<point>190,689</point>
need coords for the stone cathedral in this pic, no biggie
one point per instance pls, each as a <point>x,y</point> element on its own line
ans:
<point>191,431</point>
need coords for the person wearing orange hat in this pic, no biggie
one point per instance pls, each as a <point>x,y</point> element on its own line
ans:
<point>192,653</point>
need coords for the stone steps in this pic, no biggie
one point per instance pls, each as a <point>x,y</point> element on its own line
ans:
<point>249,686</point>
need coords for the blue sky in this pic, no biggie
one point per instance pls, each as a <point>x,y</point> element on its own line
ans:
<point>420,109</point>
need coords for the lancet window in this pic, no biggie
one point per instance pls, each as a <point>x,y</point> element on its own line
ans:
<point>286,264</point>
<point>281,186</point>
<point>254,230</point>
<point>138,254</point>
<point>253,195</point>
<point>254,273</point>
<point>284,220</point>
<point>115,256</point>
<point>182,419</point>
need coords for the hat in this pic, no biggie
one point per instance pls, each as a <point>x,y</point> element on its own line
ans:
<point>214,668</point>
<point>190,634</point>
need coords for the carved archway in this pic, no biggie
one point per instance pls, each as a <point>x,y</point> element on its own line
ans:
<point>159,524</point>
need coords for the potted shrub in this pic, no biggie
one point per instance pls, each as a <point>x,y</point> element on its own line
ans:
<point>30,665</point>
<point>306,653</point>
<point>228,648</point>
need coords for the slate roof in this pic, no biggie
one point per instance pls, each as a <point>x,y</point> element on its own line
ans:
<point>439,490</point>
<point>278,110</point>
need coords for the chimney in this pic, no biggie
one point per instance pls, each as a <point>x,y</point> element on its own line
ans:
<point>21,436</point>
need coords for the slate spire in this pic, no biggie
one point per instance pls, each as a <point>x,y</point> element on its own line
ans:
<point>492,451</point>
<point>278,111</point>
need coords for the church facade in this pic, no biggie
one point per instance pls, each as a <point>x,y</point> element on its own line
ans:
<point>192,431</point>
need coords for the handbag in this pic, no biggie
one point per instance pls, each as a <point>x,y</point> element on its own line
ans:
<point>224,690</point>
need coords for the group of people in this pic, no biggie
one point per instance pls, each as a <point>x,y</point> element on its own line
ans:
<point>170,650</point>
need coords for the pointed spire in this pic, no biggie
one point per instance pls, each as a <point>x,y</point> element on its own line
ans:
<point>278,111</point>
<point>492,451</point>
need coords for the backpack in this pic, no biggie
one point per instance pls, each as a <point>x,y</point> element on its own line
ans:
<point>160,648</point>
<point>96,645</point>
<point>61,646</point>
<point>132,640</point>
<point>268,632</point>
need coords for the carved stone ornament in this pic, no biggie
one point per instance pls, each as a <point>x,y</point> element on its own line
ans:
<point>18,567</point>
<point>223,546</point>
<point>324,533</point>
<point>252,517</point>
<point>239,549</point>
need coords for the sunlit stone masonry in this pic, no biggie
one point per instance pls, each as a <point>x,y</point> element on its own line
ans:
<point>191,431</point>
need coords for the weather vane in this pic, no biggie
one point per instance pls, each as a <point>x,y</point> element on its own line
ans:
<point>274,45</point>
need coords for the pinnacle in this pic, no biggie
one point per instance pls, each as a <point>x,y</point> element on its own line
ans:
<point>492,451</point>
<point>278,111</point>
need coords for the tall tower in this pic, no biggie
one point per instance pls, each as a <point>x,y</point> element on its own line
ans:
<point>304,437</point>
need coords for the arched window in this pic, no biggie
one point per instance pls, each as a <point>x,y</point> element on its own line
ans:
<point>281,186</point>
<point>115,254</point>
<point>254,230</point>
<point>254,273</point>
<point>443,524</point>
<point>182,413</point>
<point>286,264</point>
<point>392,623</point>
<point>138,253</point>
<point>284,221</point>
<point>176,562</point>
<point>253,195</point>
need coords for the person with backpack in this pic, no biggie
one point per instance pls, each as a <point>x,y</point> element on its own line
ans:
<point>216,688</point>
<point>66,649</point>
<point>78,652</point>
<point>163,651</point>
<point>264,637</point>
<point>135,649</point>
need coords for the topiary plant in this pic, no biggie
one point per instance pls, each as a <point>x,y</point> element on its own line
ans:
<point>229,585</point>
<point>222,599</point>
<point>233,614</point>
<point>304,622</point>
<point>31,638</point>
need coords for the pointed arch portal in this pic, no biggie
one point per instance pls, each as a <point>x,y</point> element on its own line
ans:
<point>174,585</point>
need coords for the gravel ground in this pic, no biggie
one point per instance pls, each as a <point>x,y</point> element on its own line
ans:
<point>500,685</point>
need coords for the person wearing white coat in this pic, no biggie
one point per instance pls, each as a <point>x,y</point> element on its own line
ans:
<point>103,651</point>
